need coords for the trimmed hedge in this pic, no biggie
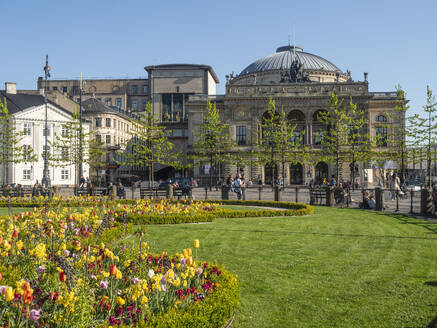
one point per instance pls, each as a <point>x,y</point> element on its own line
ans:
<point>136,218</point>
<point>290,209</point>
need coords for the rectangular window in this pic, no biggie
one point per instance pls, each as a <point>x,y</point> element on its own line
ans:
<point>64,153</point>
<point>27,129</point>
<point>144,88</point>
<point>26,174</point>
<point>298,136</point>
<point>318,134</point>
<point>98,122</point>
<point>55,88</point>
<point>241,135</point>
<point>98,138</point>
<point>64,89</point>
<point>64,175</point>
<point>74,90</point>
<point>381,136</point>
<point>27,152</point>
<point>177,107</point>
<point>108,101</point>
<point>44,131</point>
<point>134,89</point>
<point>64,132</point>
<point>166,107</point>
<point>108,139</point>
<point>118,102</point>
<point>144,104</point>
<point>135,104</point>
<point>108,122</point>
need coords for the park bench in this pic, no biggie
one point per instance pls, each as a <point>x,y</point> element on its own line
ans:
<point>152,193</point>
<point>81,192</point>
<point>317,196</point>
<point>99,191</point>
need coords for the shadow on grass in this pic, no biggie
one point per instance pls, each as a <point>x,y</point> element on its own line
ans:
<point>315,233</point>
<point>433,323</point>
<point>431,283</point>
<point>404,219</point>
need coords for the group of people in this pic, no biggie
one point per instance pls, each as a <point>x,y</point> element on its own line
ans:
<point>121,192</point>
<point>333,183</point>
<point>185,188</point>
<point>368,201</point>
<point>237,185</point>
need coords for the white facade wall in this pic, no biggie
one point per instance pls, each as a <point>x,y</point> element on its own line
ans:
<point>212,85</point>
<point>35,116</point>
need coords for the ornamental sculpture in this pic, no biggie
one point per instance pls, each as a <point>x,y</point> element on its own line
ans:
<point>295,74</point>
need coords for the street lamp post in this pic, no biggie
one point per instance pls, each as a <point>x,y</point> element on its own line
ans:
<point>80,128</point>
<point>46,173</point>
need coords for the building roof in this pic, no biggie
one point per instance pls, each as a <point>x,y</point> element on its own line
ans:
<point>183,67</point>
<point>283,57</point>
<point>94,105</point>
<point>21,101</point>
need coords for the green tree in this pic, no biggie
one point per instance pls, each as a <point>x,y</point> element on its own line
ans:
<point>279,142</point>
<point>96,156</point>
<point>358,147</point>
<point>394,144</point>
<point>212,143</point>
<point>148,144</point>
<point>334,138</point>
<point>12,151</point>
<point>423,131</point>
<point>345,137</point>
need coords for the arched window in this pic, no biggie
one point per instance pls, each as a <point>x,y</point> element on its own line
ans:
<point>381,118</point>
<point>297,118</point>
<point>319,128</point>
<point>296,173</point>
<point>321,172</point>
<point>268,125</point>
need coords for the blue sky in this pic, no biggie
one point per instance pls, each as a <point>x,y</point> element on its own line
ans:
<point>395,41</point>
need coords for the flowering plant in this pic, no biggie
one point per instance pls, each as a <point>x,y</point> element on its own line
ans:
<point>56,272</point>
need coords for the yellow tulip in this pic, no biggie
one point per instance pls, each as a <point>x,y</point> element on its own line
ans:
<point>9,294</point>
<point>196,243</point>
<point>120,301</point>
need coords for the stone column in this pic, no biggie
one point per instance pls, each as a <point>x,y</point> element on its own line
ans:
<point>425,201</point>
<point>278,194</point>
<point>330,197</point>
<point>225,192</point>
<point>379,199</point>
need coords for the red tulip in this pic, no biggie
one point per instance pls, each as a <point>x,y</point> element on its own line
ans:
<point>112,269</point>
<point>15,234</point>
<point>62,276</point>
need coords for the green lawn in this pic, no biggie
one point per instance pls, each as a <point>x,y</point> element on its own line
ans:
<point>337,268</point>
<point>5,211</point>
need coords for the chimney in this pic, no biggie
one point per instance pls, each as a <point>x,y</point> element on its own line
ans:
<point>11,87</point>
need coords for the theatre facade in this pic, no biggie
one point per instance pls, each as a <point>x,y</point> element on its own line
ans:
<point>298,81</point>
<point>301,83</point>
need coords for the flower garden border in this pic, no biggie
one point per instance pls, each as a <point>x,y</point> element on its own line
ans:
<point>287,209</point>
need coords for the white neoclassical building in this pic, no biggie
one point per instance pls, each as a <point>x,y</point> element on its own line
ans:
<point>28,112</point>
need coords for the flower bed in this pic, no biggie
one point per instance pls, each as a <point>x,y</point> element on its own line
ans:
<point>73,201</point>
<point>207,212</point>
<point>56,271</point>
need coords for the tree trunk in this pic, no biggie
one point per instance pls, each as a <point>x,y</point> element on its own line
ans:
<point>210,173</point>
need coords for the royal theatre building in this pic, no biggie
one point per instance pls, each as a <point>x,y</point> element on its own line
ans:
<point>301,83</point>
